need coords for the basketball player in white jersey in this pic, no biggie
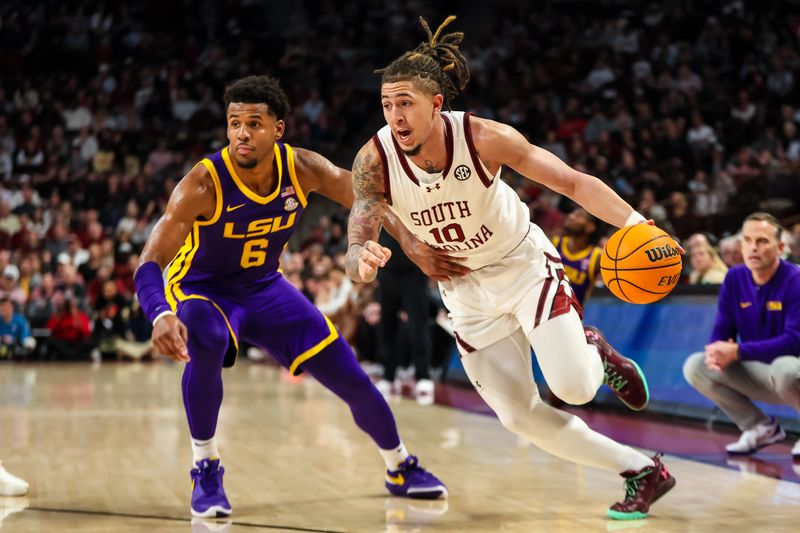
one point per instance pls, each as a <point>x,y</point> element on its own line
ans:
<point>439,173</point>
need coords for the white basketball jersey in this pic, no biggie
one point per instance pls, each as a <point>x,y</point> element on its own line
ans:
<point>463,209</point>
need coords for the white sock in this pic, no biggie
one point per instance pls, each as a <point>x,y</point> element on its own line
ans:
<point>395,456</point>
<point>204,449</point>
<point>638,461</point>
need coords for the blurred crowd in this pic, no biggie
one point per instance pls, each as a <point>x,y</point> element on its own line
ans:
<point>688,109</point>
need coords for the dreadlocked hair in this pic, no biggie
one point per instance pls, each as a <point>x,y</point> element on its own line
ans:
<point>436,65</point>
<point>259,90</point>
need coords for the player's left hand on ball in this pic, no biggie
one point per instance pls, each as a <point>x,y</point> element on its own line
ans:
<point>372,257</point>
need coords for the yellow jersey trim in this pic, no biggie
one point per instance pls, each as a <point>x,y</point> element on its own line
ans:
<point>263,200</point>
<point>293,176</point>
<point>182,261</point>
<point>311,352</point>
<point>577,256</point>
<point>175,273</point>
<point>217,189</point>
<point>218,308</point>
<point>175,267</point>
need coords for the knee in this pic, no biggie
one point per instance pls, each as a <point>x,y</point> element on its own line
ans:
<point>578,392</point>
<point>694,369</point>
<point>784,373</point>
<point>575,387</point>
<point>206,328</point>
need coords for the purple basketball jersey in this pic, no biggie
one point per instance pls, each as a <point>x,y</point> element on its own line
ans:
<point>581,267</point>
<point>231,261</point>
<point>242,243</point>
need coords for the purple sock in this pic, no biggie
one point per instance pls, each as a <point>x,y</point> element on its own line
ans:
<point>202,377</point>
<point>337,368</point>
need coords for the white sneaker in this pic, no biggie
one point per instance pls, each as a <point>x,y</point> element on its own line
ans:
<point>385,388</point>
<point>423,392</point>
<point>11,485</point>
<point>752,440</point>
<point>796,451</point>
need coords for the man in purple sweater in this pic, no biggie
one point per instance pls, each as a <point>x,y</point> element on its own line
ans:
<point>759,303</point>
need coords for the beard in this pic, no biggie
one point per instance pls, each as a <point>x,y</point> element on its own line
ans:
<point>414,151</point>
<point>247,163</point>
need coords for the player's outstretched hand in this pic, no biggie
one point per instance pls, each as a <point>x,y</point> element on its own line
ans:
<point>434,263</point>
<point>170,337</point>
<point>372,257</point>
<point>652,222</point>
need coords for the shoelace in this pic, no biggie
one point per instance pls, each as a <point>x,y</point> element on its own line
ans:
<point>612,379</point>
<point>208,481</point>
<point>631,485</point>
<point>411,464</point>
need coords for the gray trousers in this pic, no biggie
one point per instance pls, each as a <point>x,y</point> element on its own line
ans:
<point>741,382</point>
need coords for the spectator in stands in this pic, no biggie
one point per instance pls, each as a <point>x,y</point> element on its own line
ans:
<point>111,310</point>
<point>730,250</point>
<point>15,332</point>
<point>754,353</point>
<point>43,302</point>
<point>403,287</point>
<point>579,251</point>
<point>707,266</point>
<point>69,332</point>
<point>135,343</point>
<point>794,247</point>
<point>9,286</point>
<point>368,344</point>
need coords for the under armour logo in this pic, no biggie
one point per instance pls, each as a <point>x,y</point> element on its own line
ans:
<point>431,189</point>
<point>478,384</point>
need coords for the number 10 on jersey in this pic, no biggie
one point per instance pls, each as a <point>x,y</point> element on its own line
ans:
<point>450,233</point>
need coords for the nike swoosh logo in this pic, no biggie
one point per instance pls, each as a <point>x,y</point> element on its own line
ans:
<point>395,480</point>
<point>233,208</point>
<point>745,305</point>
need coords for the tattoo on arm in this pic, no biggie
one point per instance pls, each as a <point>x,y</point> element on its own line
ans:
<point>367,212</point>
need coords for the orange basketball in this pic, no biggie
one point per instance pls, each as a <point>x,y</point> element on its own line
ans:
<point>640,264</point>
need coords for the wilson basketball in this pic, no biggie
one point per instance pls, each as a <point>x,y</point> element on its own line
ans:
<point>640,264</point>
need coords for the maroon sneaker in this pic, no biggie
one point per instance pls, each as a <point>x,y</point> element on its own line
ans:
<point>642,489</point>
<point>622,375</point>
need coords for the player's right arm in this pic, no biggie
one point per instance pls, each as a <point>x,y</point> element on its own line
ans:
<point>364,254</point>
<point>194,197</point>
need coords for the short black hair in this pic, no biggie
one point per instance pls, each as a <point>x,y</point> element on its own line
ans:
<point>259,90</point>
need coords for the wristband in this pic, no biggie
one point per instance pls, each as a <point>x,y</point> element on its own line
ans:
<point>635,218</point>
<point>150,290</point>
<point>162,314</point>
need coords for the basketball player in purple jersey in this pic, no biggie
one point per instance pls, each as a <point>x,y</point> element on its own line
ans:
<point>438,172</point>
<point>579,253</point>
<point>220,240</point>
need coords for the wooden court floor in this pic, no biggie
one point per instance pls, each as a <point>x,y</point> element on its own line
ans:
<point>105,449</point>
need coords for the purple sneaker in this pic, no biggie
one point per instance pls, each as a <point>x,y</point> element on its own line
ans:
<point>208,496</point>
<point>413,481</point>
